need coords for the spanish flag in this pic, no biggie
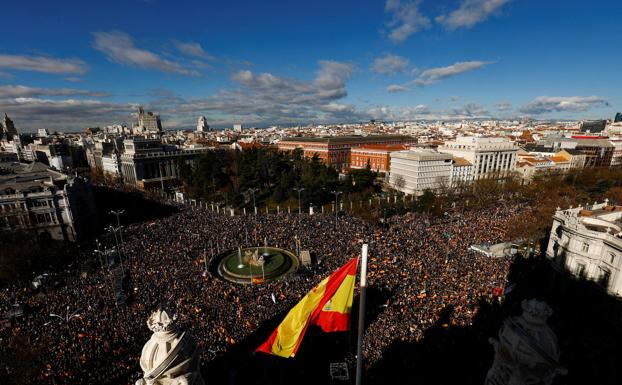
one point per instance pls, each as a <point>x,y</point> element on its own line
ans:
<point>328,305</point>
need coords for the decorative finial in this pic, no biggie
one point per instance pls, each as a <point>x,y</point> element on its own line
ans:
<point>161,320</point>
<point>536,312</point>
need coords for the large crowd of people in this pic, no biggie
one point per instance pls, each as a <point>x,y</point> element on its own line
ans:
<point>423,263</point>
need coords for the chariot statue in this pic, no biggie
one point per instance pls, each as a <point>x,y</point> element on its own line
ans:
<point>527,352</point>
<point>171,356</point>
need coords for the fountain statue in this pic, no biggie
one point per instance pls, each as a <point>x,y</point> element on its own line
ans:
<point>240,263</point>
<point>171,356</point>
<point>265,248</point>
<point>527,352</point>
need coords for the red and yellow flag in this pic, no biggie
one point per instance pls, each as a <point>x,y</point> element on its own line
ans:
<point>328,305</point>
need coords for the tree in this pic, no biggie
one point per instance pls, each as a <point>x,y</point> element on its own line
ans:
<point>426,202</point>
<point>399,183</point>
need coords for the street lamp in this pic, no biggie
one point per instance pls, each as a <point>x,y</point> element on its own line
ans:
<point>253,191</point>
<point>118,213</point>
<point>337,193</point>
<point>66,318</point>
<point>299,189</point>
<point>114,230</point>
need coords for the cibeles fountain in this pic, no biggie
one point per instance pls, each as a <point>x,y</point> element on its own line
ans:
<point>171,356</point>
<point>527,352</point>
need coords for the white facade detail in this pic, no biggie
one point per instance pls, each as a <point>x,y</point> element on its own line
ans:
<point>490,157</point>
<point>587,243</point>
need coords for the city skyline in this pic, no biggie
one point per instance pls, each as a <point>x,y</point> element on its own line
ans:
<point>81,65</point>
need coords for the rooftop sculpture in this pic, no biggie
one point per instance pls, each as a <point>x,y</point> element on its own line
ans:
<point>171,356</point>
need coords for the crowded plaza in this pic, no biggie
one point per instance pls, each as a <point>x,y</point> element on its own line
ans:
<point>423,264</point>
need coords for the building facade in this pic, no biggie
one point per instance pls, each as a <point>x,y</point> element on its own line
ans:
<point>7,128</point>
<point>52,205</point>
<point>335,151</point>
<point>587,243</point>
<point>202,125</point>
<point>461,173</point>
<point>148,123</point>
<point>147,164</point>
<point>377,157</point>
<point>490,157</point>
<point>413,172</point>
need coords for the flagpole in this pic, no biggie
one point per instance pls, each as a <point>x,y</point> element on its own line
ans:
<point>363,287</point>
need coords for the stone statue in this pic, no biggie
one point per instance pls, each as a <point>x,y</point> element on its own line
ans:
<point>171,356</point>
<point>526,352</point>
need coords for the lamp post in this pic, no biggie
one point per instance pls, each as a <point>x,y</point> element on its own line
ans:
<point>253,191</point>
<point>114,230</point>
<point>64,318</point>
<point>299,189</point>
<point>337,193</point>
<point>118,213</point>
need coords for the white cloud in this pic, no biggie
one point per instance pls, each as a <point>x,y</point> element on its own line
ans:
<point>470,110</point>
<point>434,75</point>
<point>119,48</point>
<point>18,91</point>
<point>192,49</point>
<point>394,88</point>
<point>503,106</point>
<point>406,19</point>
<point>64,115</point>
<point>389,64</point>
<point>470,13</point>
<point>423,112</point>
<point>265,98</point>
<point>43,64</point>
<point>548,104</point>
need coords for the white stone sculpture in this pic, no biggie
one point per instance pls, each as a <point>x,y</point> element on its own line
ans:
<point>171,356</point>
<point>526,352</point>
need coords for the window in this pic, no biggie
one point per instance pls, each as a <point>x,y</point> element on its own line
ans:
<point>603,278</point>
<point>612,258</point>
<point>586,247</point>
<point>581,270</point>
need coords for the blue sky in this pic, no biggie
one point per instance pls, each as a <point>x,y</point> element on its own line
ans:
<point>72,64</point>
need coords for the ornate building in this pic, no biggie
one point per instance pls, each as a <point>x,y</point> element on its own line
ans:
<point>587,243</point>
<point>40,200</point>
<point>148,123</point>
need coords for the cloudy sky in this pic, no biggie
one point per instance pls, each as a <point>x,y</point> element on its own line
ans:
<point>73,64</point>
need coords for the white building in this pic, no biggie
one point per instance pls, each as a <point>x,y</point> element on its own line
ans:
<point>202,125</point>
<point>412,172</point>
<point>238,127</point>
<point>490,157</point>
<point>111,164</point>
<point>461,172</point>
<point>587,243</point>
<point>36,199</point>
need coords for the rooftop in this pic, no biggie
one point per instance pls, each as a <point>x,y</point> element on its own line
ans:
<point>421,155</point>
<point>345,139</point>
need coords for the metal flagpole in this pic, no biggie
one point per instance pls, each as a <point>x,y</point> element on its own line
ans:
<point>363,287</point>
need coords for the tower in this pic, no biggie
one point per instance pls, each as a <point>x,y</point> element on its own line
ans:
<point>202,125</point>
<point>9,128</point>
